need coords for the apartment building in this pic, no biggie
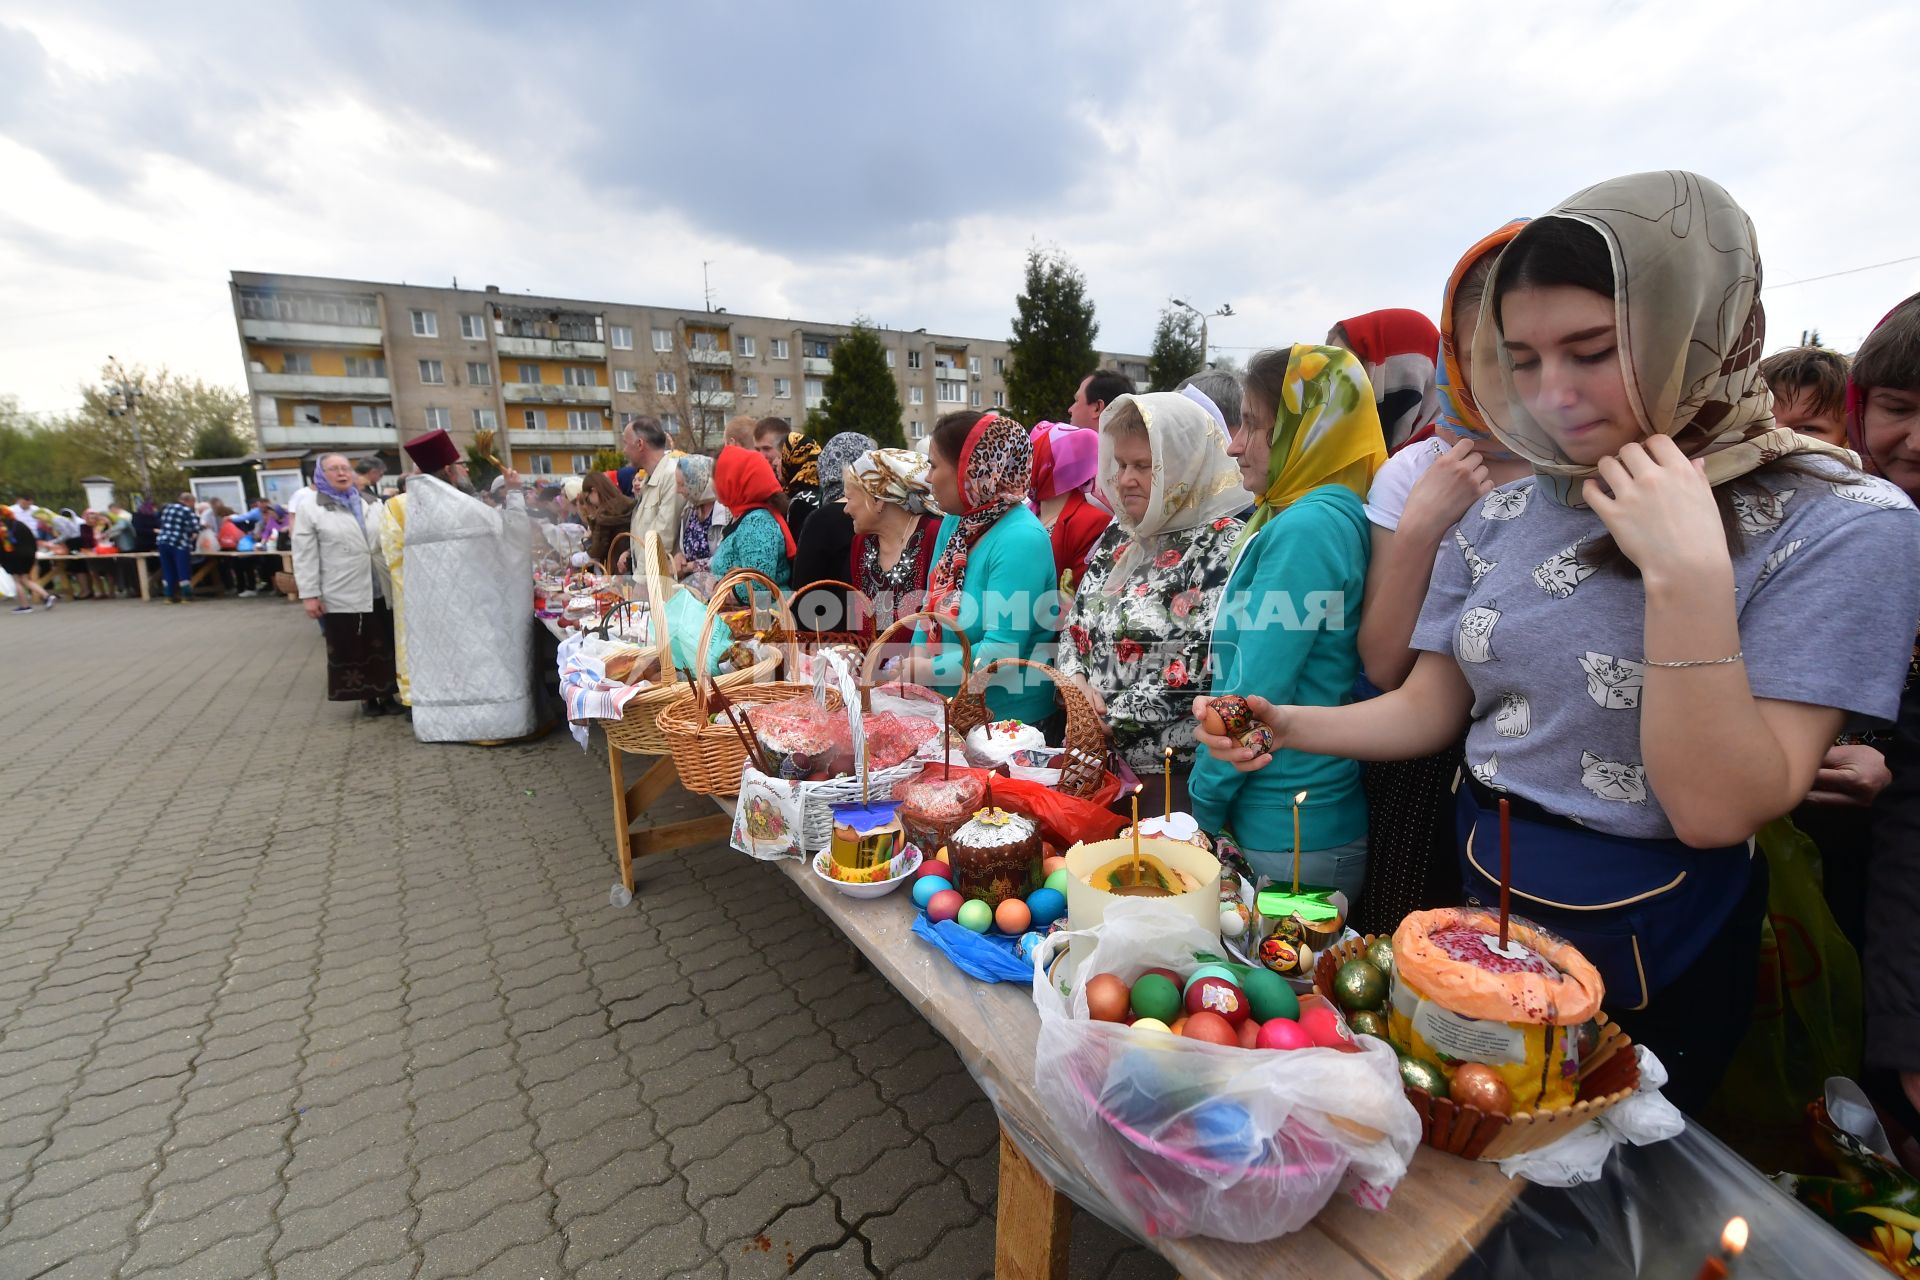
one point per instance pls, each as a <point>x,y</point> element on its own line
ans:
<point>358,366</point>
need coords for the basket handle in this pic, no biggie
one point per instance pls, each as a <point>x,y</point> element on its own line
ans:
<point>613,547</point>
<point>966,699</point>
<point>871,668</point>
<point>722,593</point>
<point>831,582</point>
<point>659,591</point>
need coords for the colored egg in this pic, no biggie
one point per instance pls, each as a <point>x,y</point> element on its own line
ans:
<point>1052,864</point>
<point>1219,971</point>
<point>1417,1073</point>
<point>1228,715</point>
<point>1210,1027</point>
<point>1257,739</point>
<point>1057,880</point>
<point>1012,916</point>
<point>1249,1034</point>
<point>1218,996</point>
<point>975,915</point>
<point>934,867</point>
<point>1358,985</point>
<point>1480,1086</point>
<point>925,887</point>
<point>944,905</point>
<point>1150,1024</point>
<point>1178,1026</point>
<point>1106,998</point>
<point>1324,1027</point>
<point>1284,1033</point>
<point>1169,975</point>
<point>1224,1131</point>
<point>1234,919</point>
<point>1028,944</point>
<point>1368,1022</point>
<point>1155,997</point>
<point>1046,905</point>
<point>1268,995</point>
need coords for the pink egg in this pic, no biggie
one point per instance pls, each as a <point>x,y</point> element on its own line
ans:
<point>1012,917</point>
<point>934,867</point>
<point>1283,1033</point>
<point>1325,1028</point>
<point>944,905</point>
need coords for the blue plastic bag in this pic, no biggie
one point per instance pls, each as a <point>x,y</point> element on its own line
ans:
<point>978,955</point>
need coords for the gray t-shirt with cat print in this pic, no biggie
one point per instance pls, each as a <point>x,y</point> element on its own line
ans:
<point>1828,586</point>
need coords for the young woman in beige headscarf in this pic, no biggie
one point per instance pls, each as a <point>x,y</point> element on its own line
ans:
<point>1653,639</point>
<point>1135,636</point>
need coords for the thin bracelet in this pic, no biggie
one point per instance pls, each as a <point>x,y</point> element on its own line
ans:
<point>1698,662</point>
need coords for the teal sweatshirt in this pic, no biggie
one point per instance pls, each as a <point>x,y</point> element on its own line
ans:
<point>1007,586</point>
<point>1287,630</point>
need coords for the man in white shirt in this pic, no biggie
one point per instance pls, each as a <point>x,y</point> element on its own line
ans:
<point>657,504</point>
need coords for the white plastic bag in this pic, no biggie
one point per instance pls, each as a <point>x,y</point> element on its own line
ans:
<point>7,589</point>
<point>1190,1138</point>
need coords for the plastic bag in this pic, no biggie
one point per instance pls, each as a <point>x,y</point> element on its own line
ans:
<point>1581,1156</point>
<point>1188,1138</point>
<point>987,958</point>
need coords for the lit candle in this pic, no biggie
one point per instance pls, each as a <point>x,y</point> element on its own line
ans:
<point>1298,800</point>
<point>1136,834</point>
<point>1166,755</point>
<point>1506,865</point>
<point>1732,1240</point>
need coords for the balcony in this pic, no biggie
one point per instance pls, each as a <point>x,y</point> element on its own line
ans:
<point>551,348</point>
<point>815,366</point>
<point>554,393</point>
<point>709,358</point>
<point>814,402</point>
<point>302,333</point>
<point>712,399</point>
<point>950,372</point>
<point>320,386</point>
<point>315,435</point>
<point>560,440</point>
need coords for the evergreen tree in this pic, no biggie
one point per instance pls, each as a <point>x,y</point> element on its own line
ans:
<point>861,395</point>
<point>1176,349</point>
<point>1053,333</point>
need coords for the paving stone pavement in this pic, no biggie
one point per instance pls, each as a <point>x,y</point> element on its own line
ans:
<point>284,993</point>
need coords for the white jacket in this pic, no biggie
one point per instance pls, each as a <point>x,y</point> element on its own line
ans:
<point>337,558</point>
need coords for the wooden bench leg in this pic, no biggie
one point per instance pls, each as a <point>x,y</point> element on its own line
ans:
<point>1033,1222</point>
<point>622,820</point>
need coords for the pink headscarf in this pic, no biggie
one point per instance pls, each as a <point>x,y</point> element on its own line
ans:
<point>1064,458</point>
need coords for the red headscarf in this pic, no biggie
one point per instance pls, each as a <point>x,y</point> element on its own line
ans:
<point>744,481</point>
<point>1398,347</point>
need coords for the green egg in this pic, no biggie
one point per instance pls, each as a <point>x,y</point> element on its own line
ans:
<point>1155,996</point>
<point>1358,985</point>
<point>1058,881</point>
<point>1418,1074</point>
<point>1269,996</point>
<point>976,915</point>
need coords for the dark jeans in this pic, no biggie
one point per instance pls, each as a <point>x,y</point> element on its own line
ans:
<point>176,571</point>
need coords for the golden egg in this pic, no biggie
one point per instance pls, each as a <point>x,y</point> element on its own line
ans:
<point>1478,1085</point>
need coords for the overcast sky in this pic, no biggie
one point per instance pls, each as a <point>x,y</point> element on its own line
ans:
<point>1304,163</point>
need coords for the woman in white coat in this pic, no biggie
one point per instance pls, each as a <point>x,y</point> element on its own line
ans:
<point>341,573</point>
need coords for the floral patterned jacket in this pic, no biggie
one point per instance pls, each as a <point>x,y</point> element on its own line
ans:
<point>1143,643</point>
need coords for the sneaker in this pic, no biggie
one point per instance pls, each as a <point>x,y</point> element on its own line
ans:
<point>23,608</point>
<point>52,600</point>
<point>246,595</point>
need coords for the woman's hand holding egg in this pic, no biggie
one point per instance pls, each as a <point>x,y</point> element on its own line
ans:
<point>1211,731</point>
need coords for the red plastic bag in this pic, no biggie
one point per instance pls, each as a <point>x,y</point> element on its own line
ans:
<point>1064,820</point>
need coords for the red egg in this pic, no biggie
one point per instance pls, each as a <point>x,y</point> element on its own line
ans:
<point>944,905</point>
<point>1210,1027</point>
<point>1325,1028</point>
<point>1012,917</point>
<point>1052,864</point>
<point>1249,1034</point>
<point>1177,981</point>
<point>935,867</point>
<point>1284,1033</point>
<point>1107,997</point>
<point>1219,996</point>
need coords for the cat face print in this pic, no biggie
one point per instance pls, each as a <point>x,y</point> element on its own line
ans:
<point>1475,565</point>
<point>1505,504</point>
<point>1613,779</point>
<point>1613,683</point>
<point>1560,574</point>
<point>1871,491</point>
<point>1760,513</point>
<point>1778,558</point>
<point>1474,642</point>
<point>1514,717</point>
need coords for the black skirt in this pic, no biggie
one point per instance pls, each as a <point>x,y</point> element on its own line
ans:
<point>1411,863</point>
<point>359,654</point>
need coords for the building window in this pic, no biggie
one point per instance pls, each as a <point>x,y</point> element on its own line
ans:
<point>426,324</point>
<point>664,382</point>
<point>976,399</point>
<point>746,345</point>
<point>582,420</point>
<point>783,388</point>
<point>916,395</point>
<point>432,373</point>
<point>702,340</point>
<point>816,349</point>
<point>366,367</point>
<point>439,420</point>
<point>479,373</point>
<point>917,429</point>
<point>663,340</point>
<point>578,376</point>
<point>370,415</point>
<point>530,373</point>
<point>999,366</point>
<point>581,462</point>
<point>296,362</point>
<point>670,423</point>
<point>749,386</point>
<point>623,380</point>
<point>973,365</point>
<point>816,389</point>
<point>913,359</point>
<point>780,349</point>
<point>542,465</point>
<point>999,399</point>
<point>622,337</point>
<point>483,420</point>
<point>889,359</point>
<point>948,392</point>
<point>472,327</point>
<point>535,419</point>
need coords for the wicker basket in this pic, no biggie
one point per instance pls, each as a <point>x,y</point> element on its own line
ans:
<point>816,639</point>
<point>1084,766</point>
<point>638,728</point>
<point>709,756</point>
<point>870,670</point>
<point>1606,1078</point>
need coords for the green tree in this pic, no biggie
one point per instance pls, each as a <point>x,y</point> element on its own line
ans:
<point>39,458</point>
<point>861,395</point>
<point>1053,332</point>
<point>1176,349</point>
<point>222,440</point>
<point>170,414</point>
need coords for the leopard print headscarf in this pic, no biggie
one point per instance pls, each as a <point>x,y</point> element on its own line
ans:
<point>996,466</point>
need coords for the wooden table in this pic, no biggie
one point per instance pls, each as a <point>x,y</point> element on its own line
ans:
<point>205,570</point>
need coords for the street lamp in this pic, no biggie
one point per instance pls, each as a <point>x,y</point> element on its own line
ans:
<point>127,393</point>
<point>1226,309</point>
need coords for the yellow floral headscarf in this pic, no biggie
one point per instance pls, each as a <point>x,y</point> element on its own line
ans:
<point>1326,430</point>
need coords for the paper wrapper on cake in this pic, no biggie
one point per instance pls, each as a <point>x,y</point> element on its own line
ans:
<point>933,806</point>
<point>992,744</point>
<point>993,855</point>
<point>1458,998</point>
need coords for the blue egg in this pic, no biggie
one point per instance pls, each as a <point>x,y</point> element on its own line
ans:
<point>925,887</point>
<point>1047,905</point>
<point>1029,941</point>
<point>1223,1131</point>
